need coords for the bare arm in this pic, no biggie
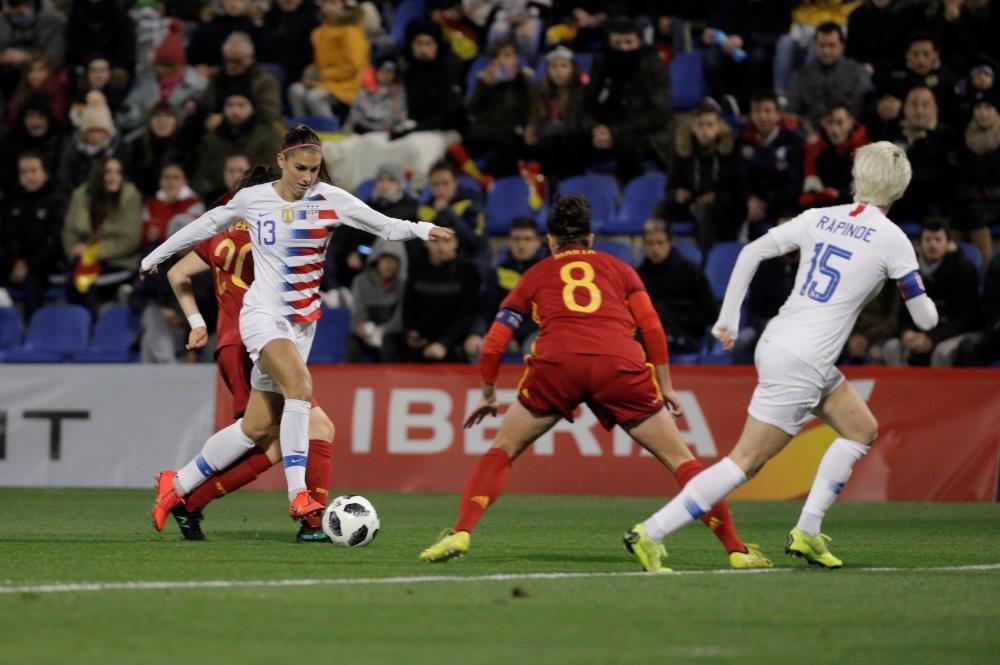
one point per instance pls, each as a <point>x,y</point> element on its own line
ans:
<point>179,277</point>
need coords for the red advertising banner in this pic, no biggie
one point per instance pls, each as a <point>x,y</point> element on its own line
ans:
<point>399,428</point>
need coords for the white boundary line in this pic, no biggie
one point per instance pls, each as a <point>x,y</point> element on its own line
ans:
<point>423,579</point>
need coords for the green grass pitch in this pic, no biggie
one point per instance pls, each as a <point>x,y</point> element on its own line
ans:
<point>923,608</point>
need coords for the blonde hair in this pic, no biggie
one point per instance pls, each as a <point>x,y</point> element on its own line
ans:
<point>881,174</point>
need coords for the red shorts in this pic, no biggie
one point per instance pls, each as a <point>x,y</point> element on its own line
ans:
<point>617,390</point>
<point>234,364</point>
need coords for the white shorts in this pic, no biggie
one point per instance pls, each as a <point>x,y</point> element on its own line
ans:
<point>788,388</point>
<point>258,326</point>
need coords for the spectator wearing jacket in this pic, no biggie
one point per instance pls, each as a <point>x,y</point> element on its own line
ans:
<point>829,157</point>
<point>377,309</point>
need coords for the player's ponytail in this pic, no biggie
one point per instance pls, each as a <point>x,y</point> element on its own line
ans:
<point>302,137</point>
<point>256,175</point>
<point>569,219</point>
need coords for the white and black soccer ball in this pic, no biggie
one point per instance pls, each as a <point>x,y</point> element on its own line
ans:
<point>350,521</point>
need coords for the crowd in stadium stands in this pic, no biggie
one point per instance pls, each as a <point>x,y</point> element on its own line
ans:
<point>691,126</point>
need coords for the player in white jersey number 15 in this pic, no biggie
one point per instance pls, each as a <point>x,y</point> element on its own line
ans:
<point>290,222</point>
<point>847,254</point>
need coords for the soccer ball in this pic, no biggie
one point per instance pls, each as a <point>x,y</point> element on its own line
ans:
<point>350,521</point>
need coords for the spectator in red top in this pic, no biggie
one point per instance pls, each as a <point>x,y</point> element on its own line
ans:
<point>829,157</point>
<point>174,205</point>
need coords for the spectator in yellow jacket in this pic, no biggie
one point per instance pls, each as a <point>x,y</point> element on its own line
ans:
<point>329,85</point>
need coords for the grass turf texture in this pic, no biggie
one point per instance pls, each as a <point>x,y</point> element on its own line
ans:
<point>803,615</point>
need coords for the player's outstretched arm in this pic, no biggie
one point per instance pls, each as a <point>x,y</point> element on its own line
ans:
<point>727,327</point>
<point>355,212</point>
<point>655,340</point>
<point>922,309</point>
<point>212,222</point>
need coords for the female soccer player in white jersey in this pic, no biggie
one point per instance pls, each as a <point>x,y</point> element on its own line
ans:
<point>847,253</point>
<point>290,223</point>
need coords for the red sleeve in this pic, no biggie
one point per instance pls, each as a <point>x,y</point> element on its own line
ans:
<point>649,323</point>
<point>519,298</point>
<point>204,250</point>
<point>633,283</point>
<point>492,351</point>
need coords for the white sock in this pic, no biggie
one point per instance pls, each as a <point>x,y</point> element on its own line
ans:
<point>295,443</point>
<point>834,470</point>
<point>698,496</point>
<point>222,449</point>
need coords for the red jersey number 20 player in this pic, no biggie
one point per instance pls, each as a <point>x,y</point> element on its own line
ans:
<point>228,255</point>
<point>587,305</point>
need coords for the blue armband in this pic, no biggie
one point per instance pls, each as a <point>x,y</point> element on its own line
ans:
<point>510,318</point>
<point>911,285</point>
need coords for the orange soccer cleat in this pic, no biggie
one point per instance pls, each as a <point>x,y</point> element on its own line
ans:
<point>303,505</point>
<point>167,498</point>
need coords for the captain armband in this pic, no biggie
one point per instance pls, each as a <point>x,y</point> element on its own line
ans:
<point>510,318</point>
<point>911,285</point>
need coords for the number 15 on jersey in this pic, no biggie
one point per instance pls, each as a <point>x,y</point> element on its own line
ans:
<point>818,288</point>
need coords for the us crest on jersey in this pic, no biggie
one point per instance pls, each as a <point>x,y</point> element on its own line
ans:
<point>312,213</point>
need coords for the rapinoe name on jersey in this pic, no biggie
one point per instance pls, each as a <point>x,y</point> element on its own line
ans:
<point>845,228</point>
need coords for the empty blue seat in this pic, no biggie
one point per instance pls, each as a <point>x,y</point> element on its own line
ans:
<point>617,249</point>
<point>911,229</point>
<point>115,333</point>
<point>972,253</point>
<point>602,193</point>
<point>507,199</point>
<point>365,189</point>
<point>689,251</point>
<point>406,12</point>
<point>719,265</point>
<point>56,334</point>
<point>687,81</point>
<point>332,331</point>
<point>641,196</point>
<point>10,329</point>
<point>317,123</point>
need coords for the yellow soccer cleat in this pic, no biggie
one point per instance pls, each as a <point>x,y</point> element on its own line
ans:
<point>648,552</point>
<point>448,546</point>
<point>811,548</point>
<point>752,558</point>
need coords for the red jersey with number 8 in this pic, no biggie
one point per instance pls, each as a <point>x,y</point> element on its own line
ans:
<point>229,254</point>
<point>579,298</point>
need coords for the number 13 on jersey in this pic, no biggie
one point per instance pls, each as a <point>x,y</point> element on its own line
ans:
<point>822,257</point>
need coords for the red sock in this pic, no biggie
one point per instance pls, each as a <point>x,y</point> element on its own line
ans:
<point>482,488</point>
<point>718,519</point>
<point>319,470</point>
<point>230,479</point>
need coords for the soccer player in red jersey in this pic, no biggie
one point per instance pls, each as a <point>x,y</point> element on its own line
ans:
<point>587,305</point>
<point>228,256</point>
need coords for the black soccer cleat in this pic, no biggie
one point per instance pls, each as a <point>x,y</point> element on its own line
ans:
<point>189,523</point>
<point>310,534</point>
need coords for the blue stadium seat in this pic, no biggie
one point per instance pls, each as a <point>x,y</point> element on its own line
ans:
<point>506,200</point>
<point>332,332</point>
<point>406,12</point>
<point>689,251</point>
<point>684,227</point>
<point>687,81</point>
<point>714,355</point>
<point>601,191</point>
<point>364,189</point>
<point>972,253</point>
<point>10,329</point>
<point>911,229</point>
<point>275,70</point>
<point>115,332</point>
<point>641,195</point>
<point>56,334</point>
<point>318,123</point>
<point>719,265</point>
<point>617,249</point>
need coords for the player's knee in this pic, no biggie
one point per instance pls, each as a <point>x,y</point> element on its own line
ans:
<point>321,427</point>
<point>298,385</point>
<point>257,430</point>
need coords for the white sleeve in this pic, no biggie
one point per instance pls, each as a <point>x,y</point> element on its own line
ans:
<point>765,247</point>
<point>354,212</point>
<point>212,222</point>
<point>789,235</point>
<point>923,312</point>
<point>902,259</point>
